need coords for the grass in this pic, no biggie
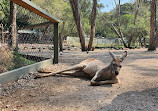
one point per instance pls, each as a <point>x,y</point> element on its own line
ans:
<point>10,60</point>
<point>19,61</point>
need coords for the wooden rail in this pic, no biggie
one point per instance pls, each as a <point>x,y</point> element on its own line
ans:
<point>36,26</point>
<point>34,8</point>
<point>13,75</point>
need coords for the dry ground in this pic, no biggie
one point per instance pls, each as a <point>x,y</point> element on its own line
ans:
<point>137,90</point>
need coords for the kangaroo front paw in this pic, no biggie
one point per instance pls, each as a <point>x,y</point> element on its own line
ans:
<point>38,76</point>
<point>44,75</point>
<point>93,83</point>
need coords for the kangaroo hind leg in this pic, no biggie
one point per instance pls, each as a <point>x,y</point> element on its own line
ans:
<point>78,67</point>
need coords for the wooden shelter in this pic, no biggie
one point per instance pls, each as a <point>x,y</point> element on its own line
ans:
<point>27,4</point>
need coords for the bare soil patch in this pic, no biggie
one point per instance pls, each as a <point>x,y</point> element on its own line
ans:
<point>136,91</point>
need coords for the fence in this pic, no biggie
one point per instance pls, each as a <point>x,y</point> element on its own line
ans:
<point>28,35</point>
<point>98,41</point>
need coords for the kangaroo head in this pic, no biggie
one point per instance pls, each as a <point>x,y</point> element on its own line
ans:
<point>116,62</point>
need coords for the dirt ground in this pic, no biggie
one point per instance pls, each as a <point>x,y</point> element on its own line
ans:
<point>136,91</point>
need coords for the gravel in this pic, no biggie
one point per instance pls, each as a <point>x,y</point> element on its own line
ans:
<point>136,91</point>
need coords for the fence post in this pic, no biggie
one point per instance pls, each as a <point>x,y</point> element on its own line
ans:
<point>55,59</point>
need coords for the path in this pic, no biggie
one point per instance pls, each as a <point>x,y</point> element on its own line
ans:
<point>137,90</point>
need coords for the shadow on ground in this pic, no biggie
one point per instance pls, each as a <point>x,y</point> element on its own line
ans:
<point>145,100</point>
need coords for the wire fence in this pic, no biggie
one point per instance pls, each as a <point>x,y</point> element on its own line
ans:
<point>26,41</point>
<point>98,41</point>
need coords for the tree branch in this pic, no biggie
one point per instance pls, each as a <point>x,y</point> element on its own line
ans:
<point>136,12</point>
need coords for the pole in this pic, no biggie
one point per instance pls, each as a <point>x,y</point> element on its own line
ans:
<point>55,60</point>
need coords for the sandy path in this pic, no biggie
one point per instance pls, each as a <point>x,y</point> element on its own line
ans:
<point>137,90</point>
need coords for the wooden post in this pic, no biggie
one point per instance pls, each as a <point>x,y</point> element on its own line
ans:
<point>2,33</point>
<point>55,40</point>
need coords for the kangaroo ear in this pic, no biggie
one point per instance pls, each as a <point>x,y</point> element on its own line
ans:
<point>112,55</point>
<point>123,56</point>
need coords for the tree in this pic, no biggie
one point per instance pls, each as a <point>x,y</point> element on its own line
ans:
<point>134,33</point>
<point>118,31</point>
<point>12,29</point>
<point>127,8</point>
<point>4,12</point>
<point>137,8</point>
<point>93,18</point>
<point>103,25</point>
<point>153,27</point>
<point>61,37</point>
<point>77,17</point>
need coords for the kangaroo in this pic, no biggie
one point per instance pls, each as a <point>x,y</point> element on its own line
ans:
<point>99,72</point>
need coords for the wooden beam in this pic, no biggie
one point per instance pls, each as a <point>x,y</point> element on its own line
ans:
<point>34,8</point>
<point>45,24</point>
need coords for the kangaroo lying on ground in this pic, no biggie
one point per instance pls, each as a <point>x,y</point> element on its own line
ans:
<point>97,70</point>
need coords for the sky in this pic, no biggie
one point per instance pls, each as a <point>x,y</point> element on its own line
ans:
<point>110,4</point>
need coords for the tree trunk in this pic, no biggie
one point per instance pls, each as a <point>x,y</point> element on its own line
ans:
<point>93,18</point>
<point>119,32</point>
<point>12,29</point>
<point>136,12</point>
<point>119,35</point>
<point>2,33</point>
<point>119,25</point>
<point>61,38</point>
<point>129,42</point>
<point>153,36</point>
<point>77,17</point>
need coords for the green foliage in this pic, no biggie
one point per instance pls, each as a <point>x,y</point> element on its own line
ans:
<point>4,12</point>
<point>127,8</point>
<point>86,8</point>
<point>22,19</point>
<point>19,61</point>
<point>126,20</point>
<point>4,8</point>
<point>134,32</point>
<point>131,32</point>
<point>61,9</point>
<point>103,25</point>
<point>10,60</point>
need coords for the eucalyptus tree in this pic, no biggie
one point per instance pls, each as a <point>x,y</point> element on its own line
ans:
<point>93,18</point>
<point>77,17</point>
<point>12,28</point>
<point>153,28</point>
